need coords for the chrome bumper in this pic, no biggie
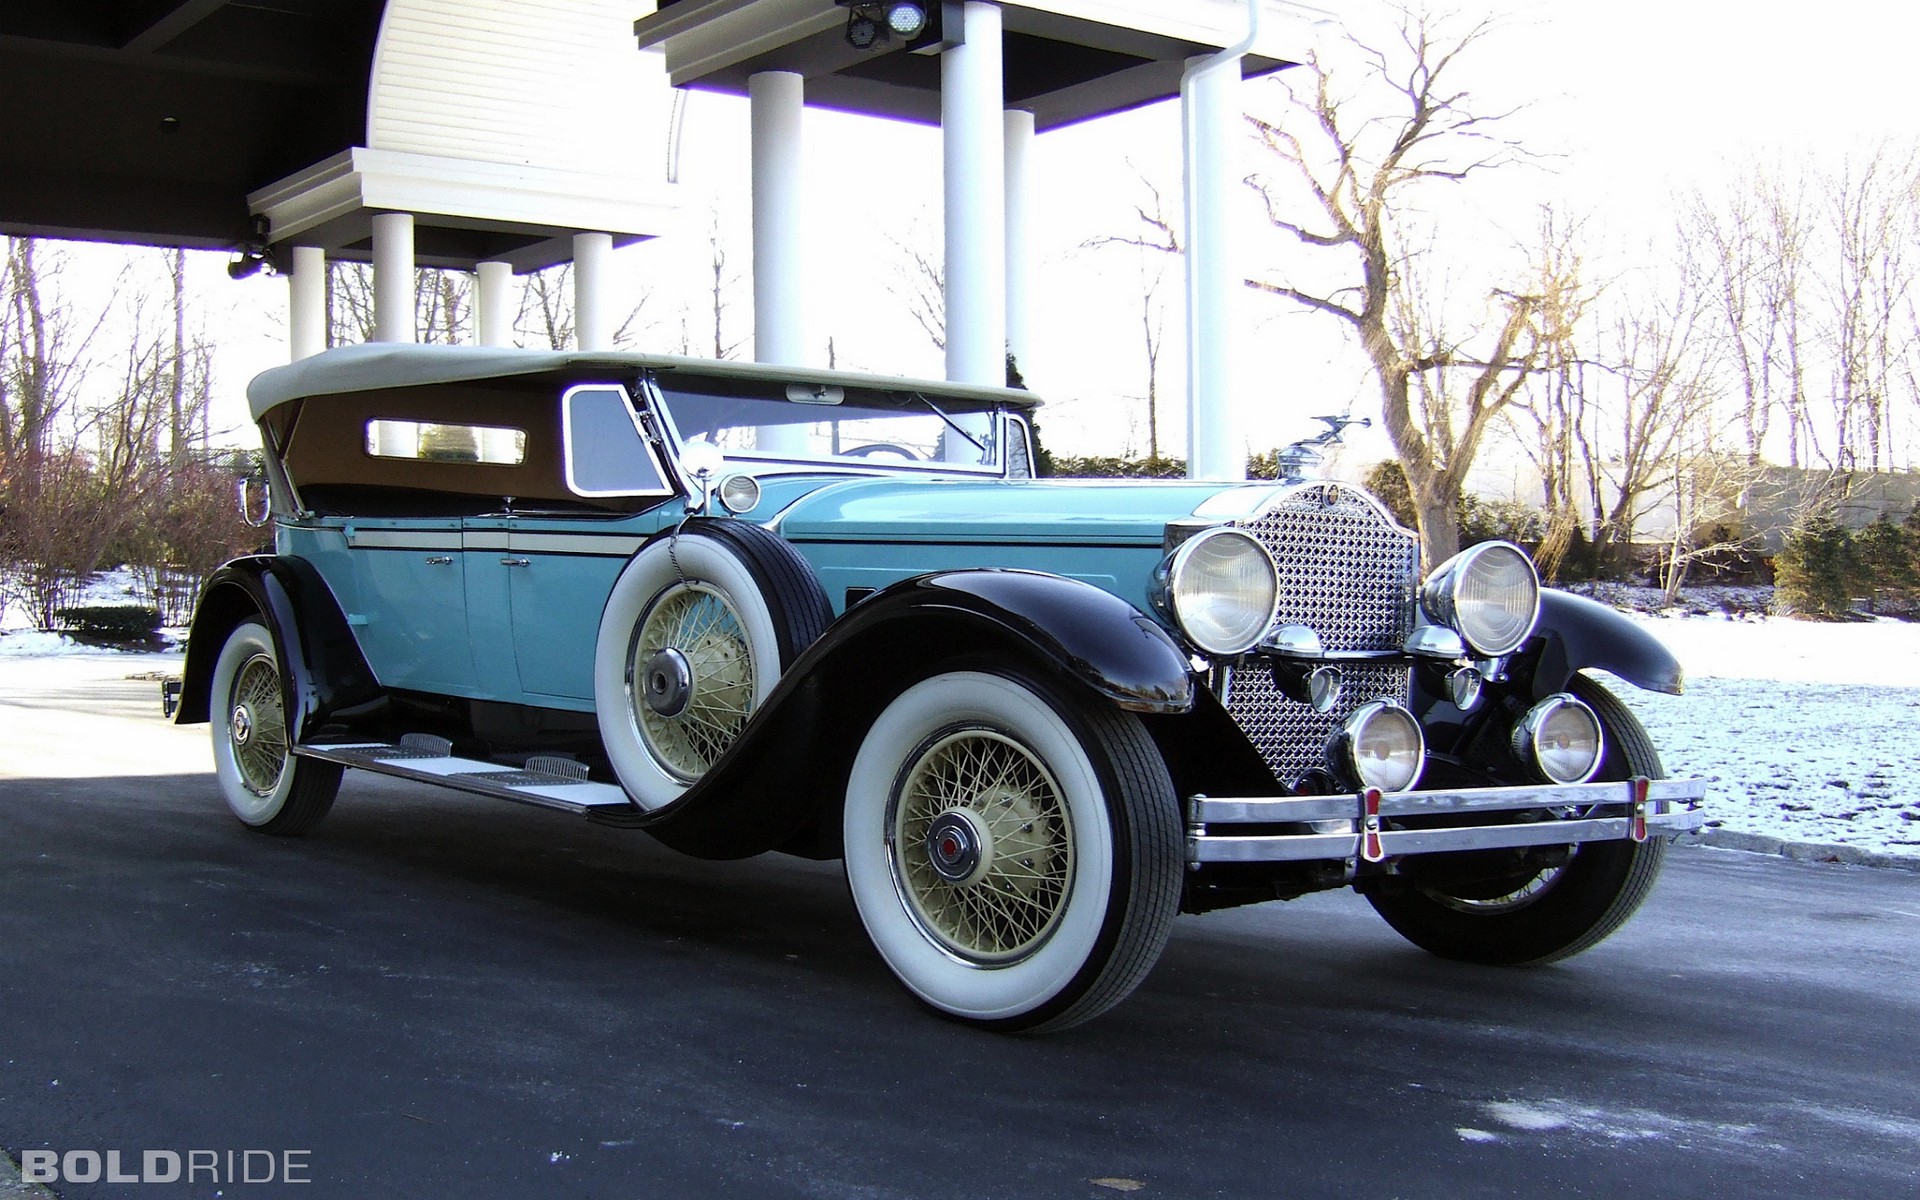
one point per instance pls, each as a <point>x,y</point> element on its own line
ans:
<point>1637,809</point>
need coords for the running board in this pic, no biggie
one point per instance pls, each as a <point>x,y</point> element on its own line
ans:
<point>547,782</point>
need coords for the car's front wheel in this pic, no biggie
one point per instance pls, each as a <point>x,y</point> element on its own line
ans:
<point>1013,849</point>
<point>1543,916</point>
<point>263,782</point>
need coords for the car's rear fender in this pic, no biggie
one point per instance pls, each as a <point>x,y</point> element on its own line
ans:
<point>321,661</point>
<point>1577,634</point>
<point>780,785</point>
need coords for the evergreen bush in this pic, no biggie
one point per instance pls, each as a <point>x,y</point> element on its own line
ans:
<point>118,623</point>
<point>1816,571</point>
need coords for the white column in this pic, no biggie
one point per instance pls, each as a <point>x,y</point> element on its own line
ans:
<point>1210,104</point>
<point>592,281</point>
<point>972,104</point>
<point>1018,128</point>
<point>492,315</point>
<point>780,335</point>
<point>393,284</point>
<point>307,303</point>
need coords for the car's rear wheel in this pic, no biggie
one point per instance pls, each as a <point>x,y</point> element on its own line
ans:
<point>1013,849</point>
<point>262,781</point>
<point>1543,916</point>
<point>696,633</point>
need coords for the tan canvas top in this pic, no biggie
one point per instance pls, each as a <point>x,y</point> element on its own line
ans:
<point>383,365</point>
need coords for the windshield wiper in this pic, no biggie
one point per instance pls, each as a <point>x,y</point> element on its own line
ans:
<point>982,447</point>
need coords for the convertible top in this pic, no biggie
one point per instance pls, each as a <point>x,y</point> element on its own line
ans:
<point>380,365</point>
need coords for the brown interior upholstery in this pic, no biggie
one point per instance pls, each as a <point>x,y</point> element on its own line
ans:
<point>325,441</point>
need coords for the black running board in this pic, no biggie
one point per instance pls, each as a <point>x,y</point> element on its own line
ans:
<point>546,782</point>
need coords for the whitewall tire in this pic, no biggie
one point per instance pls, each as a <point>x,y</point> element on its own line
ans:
<point>263,783</point>
<point>1012,848</point>
<point>695,635</point>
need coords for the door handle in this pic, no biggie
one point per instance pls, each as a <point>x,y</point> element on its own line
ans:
<point>439,560</point>
<point>516,562</point>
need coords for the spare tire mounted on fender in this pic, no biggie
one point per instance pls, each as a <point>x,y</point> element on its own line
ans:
<point>697,631</point>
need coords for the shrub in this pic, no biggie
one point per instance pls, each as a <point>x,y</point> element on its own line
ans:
<point>1889,561</point>
<point>112,622</point>
<point>1816,570</point>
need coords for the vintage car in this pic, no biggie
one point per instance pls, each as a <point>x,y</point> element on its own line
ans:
<point>749,609</point>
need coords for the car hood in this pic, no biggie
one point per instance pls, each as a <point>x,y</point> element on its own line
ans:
<point>1068,512</point>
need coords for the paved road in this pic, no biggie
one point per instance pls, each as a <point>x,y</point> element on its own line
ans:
<point>441,996</point>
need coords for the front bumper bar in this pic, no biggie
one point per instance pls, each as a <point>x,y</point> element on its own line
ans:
<point>1223,831</point>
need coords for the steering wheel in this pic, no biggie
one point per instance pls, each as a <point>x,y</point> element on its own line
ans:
<point>873,448</point>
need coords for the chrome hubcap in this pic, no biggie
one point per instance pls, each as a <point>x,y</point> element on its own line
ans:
<point>668,682</point>
<point>241,723</point>
<point>257,726</point>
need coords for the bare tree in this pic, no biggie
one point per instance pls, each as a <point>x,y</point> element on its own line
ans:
<point>1351,171</point>
<point>442,304</point>
<point>721,291</point>
<point>1161,236</point>
<point>546,308</point>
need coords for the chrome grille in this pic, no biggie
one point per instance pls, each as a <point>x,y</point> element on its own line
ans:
<point>1347,572</point>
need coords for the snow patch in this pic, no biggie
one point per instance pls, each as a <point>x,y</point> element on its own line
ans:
<point>1621,1125</point>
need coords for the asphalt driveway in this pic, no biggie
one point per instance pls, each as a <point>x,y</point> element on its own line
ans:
<point>437,996</point>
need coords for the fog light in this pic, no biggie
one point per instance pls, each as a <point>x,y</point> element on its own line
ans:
<point>1560,739</point>
<point>1379,746</point>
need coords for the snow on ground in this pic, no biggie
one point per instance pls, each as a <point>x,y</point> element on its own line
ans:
<point>1806,732</point>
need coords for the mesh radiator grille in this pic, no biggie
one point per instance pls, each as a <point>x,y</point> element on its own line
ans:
<point>1347,572</point>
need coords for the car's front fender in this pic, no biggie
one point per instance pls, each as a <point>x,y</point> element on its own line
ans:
<point>1576,634</point>
<point>786,771</point>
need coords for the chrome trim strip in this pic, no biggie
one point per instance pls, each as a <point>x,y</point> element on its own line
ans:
<point>401,539</point>
<point>609,545</point>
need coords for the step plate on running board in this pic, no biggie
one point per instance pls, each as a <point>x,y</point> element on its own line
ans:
<point>425,764</point>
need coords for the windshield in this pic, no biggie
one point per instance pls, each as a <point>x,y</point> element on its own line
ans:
<point>853,426</point>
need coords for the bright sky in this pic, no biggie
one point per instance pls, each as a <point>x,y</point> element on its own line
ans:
<point>1644,97</point>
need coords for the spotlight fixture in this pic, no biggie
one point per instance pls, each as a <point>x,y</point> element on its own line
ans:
<point>871,24</point>
<point>906,19</point>
<point>863,32</point>
<point>252,256</point>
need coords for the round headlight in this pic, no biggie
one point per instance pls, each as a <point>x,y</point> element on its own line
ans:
<point>1380,746</point>
<point>1560,739</point>
<point>1221,587</point>
<point>1489,592</point>
<point>739,493</point>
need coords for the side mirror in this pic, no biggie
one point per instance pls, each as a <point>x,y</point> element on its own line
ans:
<point>245,496</point>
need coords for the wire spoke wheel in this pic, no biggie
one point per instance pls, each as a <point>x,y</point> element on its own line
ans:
<point>260,778</point>
<point>1013,848</point>
<point>694,627</point>
<point>982,846</point>
<point>1511,900</point>
<point>258,723</point>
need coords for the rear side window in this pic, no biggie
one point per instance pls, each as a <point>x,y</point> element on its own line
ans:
<point>607,455</point>
<point>428,441</point>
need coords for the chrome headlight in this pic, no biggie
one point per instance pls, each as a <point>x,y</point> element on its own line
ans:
<point>738,493</point>
<point>1560,739</point>
<point>1221,587</point>
<point>1489,592</point>
<point>1380,746</point>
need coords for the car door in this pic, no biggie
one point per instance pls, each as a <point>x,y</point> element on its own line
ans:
<point>410,614</point>
<point>554,570</point>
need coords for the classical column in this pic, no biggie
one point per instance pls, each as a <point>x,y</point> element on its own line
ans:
<point>1210,103</point>
<point>777,100</point>
<point>393,284</point>
<point>307,303</point>
<point>592,279</point>
<point>1019,134</point>
<point>492,315</point>
<point>972,108</point>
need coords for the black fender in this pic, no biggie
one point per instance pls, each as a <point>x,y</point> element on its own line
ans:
<point>321,661</point>
<point>1576,633</point>
<point>779,786</point>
